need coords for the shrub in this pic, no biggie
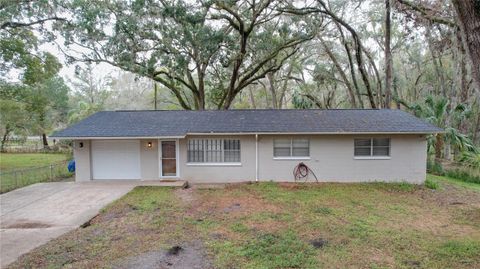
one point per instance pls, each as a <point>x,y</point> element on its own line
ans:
<point>437,169</point>
<point>431,184</point>
<point>470,159</point>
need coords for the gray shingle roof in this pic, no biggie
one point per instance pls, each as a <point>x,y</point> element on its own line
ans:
<point>180,122</point>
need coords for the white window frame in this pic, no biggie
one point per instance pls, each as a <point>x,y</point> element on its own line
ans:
<point>204,163</point>
<point>291,151</point>
<point>371,156</point>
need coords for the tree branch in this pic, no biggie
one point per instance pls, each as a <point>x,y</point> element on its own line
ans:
<point>12,24</point>
<point>424,11</point>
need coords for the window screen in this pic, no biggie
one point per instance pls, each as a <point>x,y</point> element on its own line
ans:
<point>372,147</point>
<point>213,150</point>
<point>195,150</point>
<point>231,151</point>
<point>381,147</point>
<point>363,147</point>
<point>282,148</point>
<point>291,148</point>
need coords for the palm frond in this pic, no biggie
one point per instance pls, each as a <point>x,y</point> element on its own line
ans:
<point>471,159</point>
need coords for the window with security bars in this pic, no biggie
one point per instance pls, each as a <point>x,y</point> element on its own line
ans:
<point>291,148</point>
<point>213,150</point>
<point>372,147</point>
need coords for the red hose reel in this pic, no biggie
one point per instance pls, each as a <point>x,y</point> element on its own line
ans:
<point>302,171</point>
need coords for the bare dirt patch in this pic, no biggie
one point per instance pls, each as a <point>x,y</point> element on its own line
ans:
<point>456,196</point>
<point>114,213</point>
<point>191,255</point>
<point>26,224</point>
<point>235,205</point>
<point>185,195</point>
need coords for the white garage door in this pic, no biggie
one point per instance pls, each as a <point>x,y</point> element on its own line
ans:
<point>116,159</point>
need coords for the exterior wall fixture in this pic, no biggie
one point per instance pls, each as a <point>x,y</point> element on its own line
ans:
<point>149,144</point>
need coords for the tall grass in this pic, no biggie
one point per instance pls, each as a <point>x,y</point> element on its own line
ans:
<point>463,173</point>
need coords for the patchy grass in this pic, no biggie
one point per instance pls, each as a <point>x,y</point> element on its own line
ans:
<point>13,161</point>
<point>467,250</point>
<point>431,184</point>
<point>450,180</point>
<point>271,225</point>
<point>284,250</point>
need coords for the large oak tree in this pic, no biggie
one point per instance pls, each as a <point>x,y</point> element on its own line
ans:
<point>207,48</point>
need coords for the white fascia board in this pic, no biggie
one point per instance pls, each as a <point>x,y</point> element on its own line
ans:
<point>312,133</point>
<point>240,133</point>
<point>116,137</point>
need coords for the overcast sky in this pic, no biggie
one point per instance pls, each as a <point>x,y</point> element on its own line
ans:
<point>68,71</point>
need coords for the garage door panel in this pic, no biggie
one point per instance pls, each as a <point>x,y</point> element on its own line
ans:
<point>116,159</point>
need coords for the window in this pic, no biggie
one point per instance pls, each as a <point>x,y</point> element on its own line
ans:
<point>291,148</point>
<point>213,151</point>
<point>372,147</point>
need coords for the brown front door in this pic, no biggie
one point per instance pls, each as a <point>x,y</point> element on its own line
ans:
<point>169,159</point>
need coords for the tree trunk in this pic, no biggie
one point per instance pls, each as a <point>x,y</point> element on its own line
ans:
<point>388,57</point>
<point>468,13</point>
<point>448,153</point>
<point>436,64</point>
<point>364,76</point>
<point>358,53</point>
<point>359,59</point>
<point>285,84</point>
<point>252,98</point>
<point>155,96</point>
<point>342,74</point>
<point>371,61</point>
<point>462,69</point>
<point>476,130</point>
<point>438,147</point>
<point>271,87</point>
<point>4,139</point>
<point>45,141</point>
<point>461,74</point>
<point>395,92</point>
<point>201,86</point>
<point>352,67</point>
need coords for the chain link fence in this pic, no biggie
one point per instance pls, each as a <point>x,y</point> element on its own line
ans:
<point>11,180</point>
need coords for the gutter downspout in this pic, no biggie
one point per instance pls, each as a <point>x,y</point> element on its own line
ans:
<point>256,157</point>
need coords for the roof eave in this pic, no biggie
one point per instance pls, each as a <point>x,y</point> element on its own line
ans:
<point>116,137</point>
<point>245,133</point>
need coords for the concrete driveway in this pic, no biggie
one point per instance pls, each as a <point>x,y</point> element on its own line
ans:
<point>33,215</point>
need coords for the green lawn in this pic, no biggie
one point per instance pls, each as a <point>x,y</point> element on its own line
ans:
<point>22,169</point>
<point>271,225</point>
<point>444,179</point>
<point>13,161</point>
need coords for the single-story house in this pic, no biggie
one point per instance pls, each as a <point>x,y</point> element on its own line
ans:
<point>338,145</point>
